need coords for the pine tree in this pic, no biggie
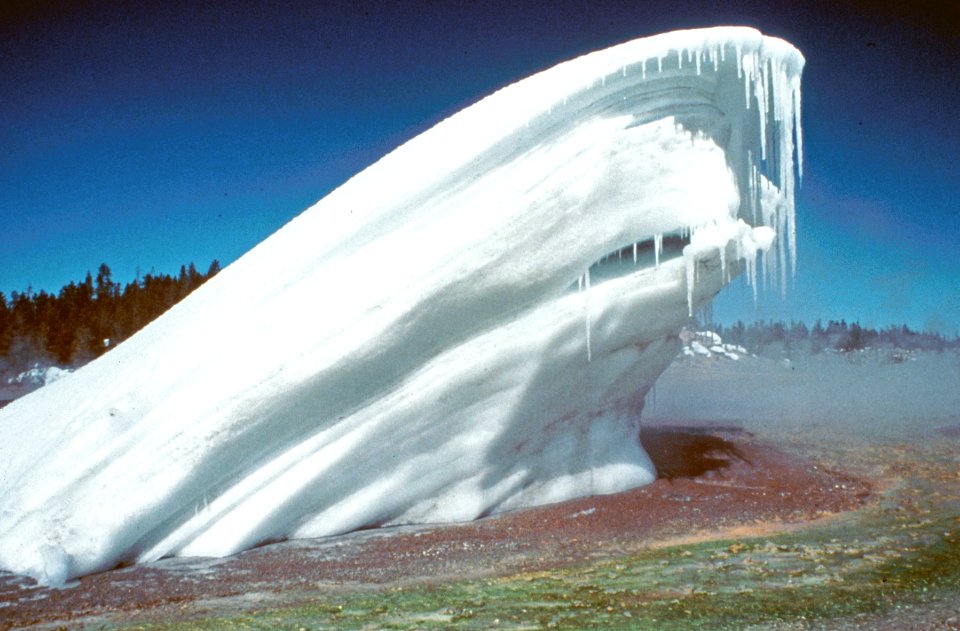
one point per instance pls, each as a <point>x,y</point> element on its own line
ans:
<point>6,326</point>
<point>103,327</point>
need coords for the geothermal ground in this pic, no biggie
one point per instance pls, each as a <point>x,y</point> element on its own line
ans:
<point>761,516</point>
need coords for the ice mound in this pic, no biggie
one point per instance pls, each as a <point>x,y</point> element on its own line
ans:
<point>469,325</point>
<point>709,344</point>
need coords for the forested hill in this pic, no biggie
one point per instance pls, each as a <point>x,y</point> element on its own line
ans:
<point>86,319</point>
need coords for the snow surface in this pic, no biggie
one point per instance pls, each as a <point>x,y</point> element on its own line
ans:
<point>469,325</point>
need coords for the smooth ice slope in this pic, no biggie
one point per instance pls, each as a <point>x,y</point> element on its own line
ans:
<point>469,325</point>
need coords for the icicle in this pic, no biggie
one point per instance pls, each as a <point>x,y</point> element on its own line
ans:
<point>691,265</point>
<point>739,62</point>
<point>623,70</point>
<point>634,252</point>
<point>580,283</point>
<point>657,249</point>
<point>746,82</point>
<point>795,88</point>
<point>775,85</point>
<point>754,188</point>
<point>792,240</point>
<point>760,88</point>
<point>643,69</point>
<point>659,64</point>
<point>698,63</point>
<point>769,268</point>
<point>781,251</point>
<point>679,59</point>
<point>748,264</point>
<point>738,247</point>
<point>586,312</point>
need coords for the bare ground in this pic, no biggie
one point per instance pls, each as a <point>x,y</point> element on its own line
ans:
<point>714,482</point>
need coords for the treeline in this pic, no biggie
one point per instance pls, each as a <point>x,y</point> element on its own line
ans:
<point>838,336</point>
<point>84,320</point>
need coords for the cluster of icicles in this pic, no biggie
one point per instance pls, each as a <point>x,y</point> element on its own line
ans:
<point>583,281</point>
<point>771,88</point>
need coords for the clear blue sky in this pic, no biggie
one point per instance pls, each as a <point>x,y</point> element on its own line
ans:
<point>156,135</point>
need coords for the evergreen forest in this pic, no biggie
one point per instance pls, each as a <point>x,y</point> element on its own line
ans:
<point>84,320</point>
<point>837,335</point>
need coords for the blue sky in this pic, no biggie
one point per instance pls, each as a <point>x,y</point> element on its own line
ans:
<point>152,136</point>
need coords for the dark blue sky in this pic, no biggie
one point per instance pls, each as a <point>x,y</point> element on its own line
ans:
<point>151,136</point>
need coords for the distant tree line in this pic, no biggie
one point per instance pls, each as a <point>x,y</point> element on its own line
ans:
<point>84,320</point>
<point>838,336</point>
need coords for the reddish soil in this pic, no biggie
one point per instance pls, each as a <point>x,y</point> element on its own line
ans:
<point>712,481</point>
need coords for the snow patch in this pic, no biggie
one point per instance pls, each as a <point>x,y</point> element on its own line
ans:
<point>708,344</point>
<point>38,376</point>
<point>583,513</point>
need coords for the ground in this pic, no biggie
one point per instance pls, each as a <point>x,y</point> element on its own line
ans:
<point>749,523</point>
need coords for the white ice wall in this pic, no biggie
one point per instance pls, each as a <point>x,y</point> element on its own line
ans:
<point>414,346</point>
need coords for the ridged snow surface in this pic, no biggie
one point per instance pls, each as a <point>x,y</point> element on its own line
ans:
<point>469,325</point>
